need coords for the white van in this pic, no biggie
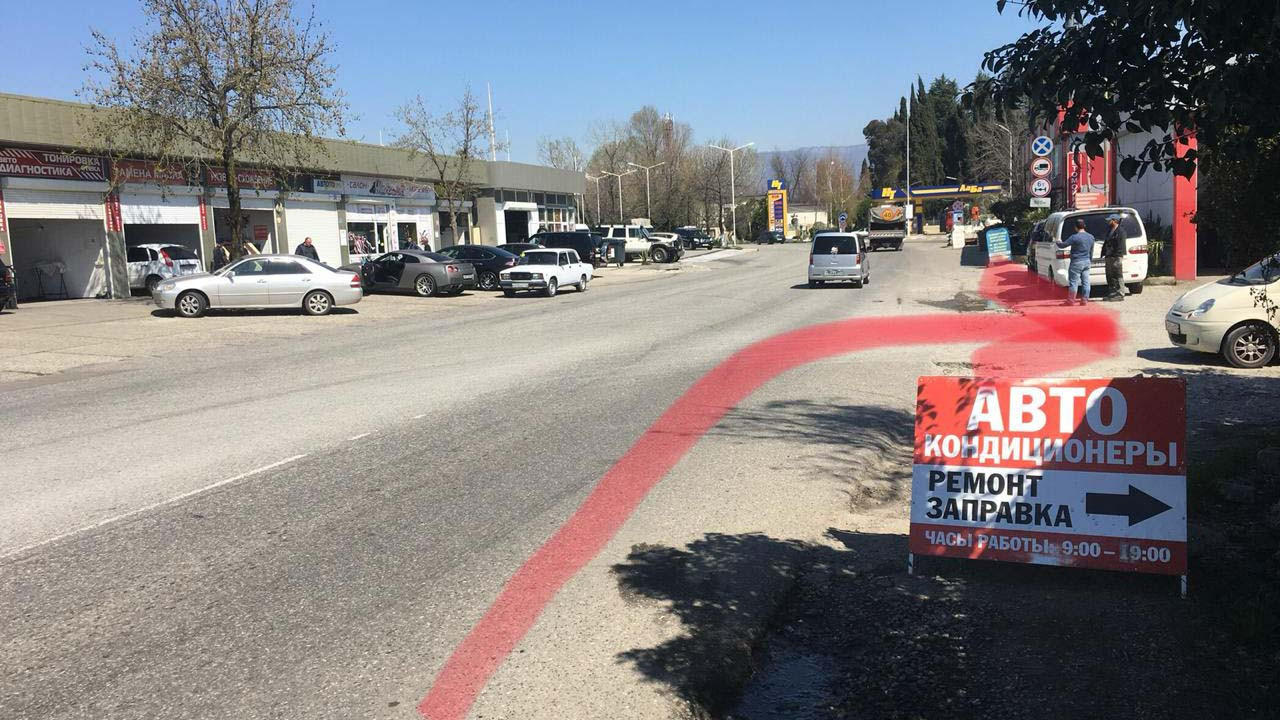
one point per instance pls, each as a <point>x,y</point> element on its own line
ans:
<point>1051,261</point>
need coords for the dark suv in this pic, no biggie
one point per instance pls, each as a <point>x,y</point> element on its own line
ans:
<point>585,243</point>
<point>8,290</point>
<point>694,238</point>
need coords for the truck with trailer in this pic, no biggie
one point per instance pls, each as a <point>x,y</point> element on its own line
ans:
<point>887,226</point>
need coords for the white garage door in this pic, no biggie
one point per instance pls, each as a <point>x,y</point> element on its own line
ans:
<point>160,209</point>
<point>319,221</point>
<point>52,205</point>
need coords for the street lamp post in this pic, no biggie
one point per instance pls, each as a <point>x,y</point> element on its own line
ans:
<point>648,208</point>
<point>596,180</point>
<point>619,176</point>
<point>733,196</point>
<point>1010,133</point>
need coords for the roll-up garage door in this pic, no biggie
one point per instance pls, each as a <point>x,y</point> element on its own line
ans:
<point>149,209</point>
<point>53,205</point>
<point>316,220</point>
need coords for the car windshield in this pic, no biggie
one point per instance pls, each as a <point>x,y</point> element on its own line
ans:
<point>538,258</point>
<point>1263,272</point>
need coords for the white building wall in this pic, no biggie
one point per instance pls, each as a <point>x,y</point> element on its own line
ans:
<point>1152,194</point>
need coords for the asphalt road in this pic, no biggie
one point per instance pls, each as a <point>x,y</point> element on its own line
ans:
<point>379,483</point>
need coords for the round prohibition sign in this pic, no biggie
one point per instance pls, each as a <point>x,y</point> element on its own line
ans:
<point>1041,146</point>
<point>1041,167</point>
<point>1041,188</point>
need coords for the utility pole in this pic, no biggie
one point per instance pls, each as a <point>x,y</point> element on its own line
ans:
<point>1010,133</point>
<point>733,185</point>
<point>596,180</point>
<point>648,209</point>
<point>619,176</point>
<point>910,208</point>
<point>493,137</point>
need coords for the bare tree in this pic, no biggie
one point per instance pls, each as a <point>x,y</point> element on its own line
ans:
<point>562,153</point>
<point>796,168</point>
<point>213,84</point>
<point>450,146</point>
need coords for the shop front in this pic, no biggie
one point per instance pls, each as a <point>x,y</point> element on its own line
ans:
<point>315,215</point>
<point>159,206</point>
<point>368,229</point>
<point>384,213</point>
<point>57,227</point>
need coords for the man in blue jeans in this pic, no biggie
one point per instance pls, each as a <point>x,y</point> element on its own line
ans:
<point>1081,244</point>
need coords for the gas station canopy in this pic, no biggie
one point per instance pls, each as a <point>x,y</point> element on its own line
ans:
<point>935,192</point>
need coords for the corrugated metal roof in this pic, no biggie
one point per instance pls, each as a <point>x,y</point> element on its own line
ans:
<point>52,123</point>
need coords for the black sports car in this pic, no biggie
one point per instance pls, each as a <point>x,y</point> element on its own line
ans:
<point>487,259</point>
<point>425,273</point>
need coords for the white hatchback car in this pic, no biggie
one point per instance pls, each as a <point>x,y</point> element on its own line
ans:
<point>1231,316</point>
<point>150,263</point>
<point>546,271</point>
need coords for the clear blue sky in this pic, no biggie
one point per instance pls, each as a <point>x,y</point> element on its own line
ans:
<point>781,74</point>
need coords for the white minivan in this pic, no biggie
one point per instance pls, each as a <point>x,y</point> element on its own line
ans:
<point>1051,261</point>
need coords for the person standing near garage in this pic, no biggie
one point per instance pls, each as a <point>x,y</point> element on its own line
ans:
<point>1081,244</point>
<point>307,250</point>
<point>1113,252</point>
<point>221,256</point>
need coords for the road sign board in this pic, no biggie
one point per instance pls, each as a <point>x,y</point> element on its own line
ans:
<point>997,244</point>
<point>1041,167</point>
<point>1039,202</point>
<point>1041,146</point>
<point>1041,187</point>
<point>844,217</point>
<point>1076,472</point>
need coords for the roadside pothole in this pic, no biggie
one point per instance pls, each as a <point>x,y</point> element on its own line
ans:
<point>966,301</point>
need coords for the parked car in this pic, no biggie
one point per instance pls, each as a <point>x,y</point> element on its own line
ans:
<point>586,244</point>
<point>639,244</point>
<point>1226,317</point>
<point>694,239</point>
<point>546,271</point>
<point>487,260</point>
<point>425,273</point>
<point>1036,236</point>
<point>8,288</point>
<point>518,249</point>
<point>1052,261</point>
<point>150,263</point>
<point>769,237</point>
<point>261,281</point>
<point>837,256</point>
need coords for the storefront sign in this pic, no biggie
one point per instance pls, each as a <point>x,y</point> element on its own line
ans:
<point>1090,200</point>
<point>51,165</point>
<point>386,187</point>
<point>255,178</point>
<point>1087,175</point>
<point>1076,472</point>
<point>4,221</point>
<point>115,221</point>
<point>143,171</point>
<point>260,234</point>
<point>204,213</point>
<point>321,185</point>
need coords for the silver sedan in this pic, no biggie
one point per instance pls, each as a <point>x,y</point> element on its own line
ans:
<point>261,281</point>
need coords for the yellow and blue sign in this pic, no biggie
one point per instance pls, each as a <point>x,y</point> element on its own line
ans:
<point>937,191</point>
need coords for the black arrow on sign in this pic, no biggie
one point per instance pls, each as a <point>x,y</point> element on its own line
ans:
<point>1137,505</point>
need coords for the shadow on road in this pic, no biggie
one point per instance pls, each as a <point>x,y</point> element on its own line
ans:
<point>267,312</point>
<point>973,256</point>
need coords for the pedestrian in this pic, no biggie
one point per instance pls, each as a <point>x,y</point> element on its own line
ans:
<point>1081,244</point>
<point>221,256</point>
<point>1114,249</point>
<point>307,250</point>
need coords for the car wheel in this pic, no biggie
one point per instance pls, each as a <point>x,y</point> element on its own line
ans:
<point>424,285</point>
<point>1249,346</point>
<point>582,284</point>
<point>857,283</point>
<point>191,304</point>
<point>552,286</point>
<point>488,280</point>
<point>317,302</point>
<point>152,282</point>
<point>1135,288</point>
<point>509,293</point>
<point>658,254</point>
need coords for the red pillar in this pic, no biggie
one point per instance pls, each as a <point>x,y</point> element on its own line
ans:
<point>1184,208</point>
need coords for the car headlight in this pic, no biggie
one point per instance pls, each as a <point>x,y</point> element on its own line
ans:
<point>168,286</point>
<point>1204,308</point>
<point>536,276</point>
<point>504,275</point>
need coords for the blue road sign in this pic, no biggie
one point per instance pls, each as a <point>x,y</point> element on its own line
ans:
<point>844,217</point>
<point>1042,146</point>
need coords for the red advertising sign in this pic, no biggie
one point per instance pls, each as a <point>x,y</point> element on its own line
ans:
<point>1076,472</point>
<point>4,222</point>
<point>51,165</point>
<point>204,214</point>
<point>1087,175</point>
<point>260,234</point>
<point>115,221</point>
<point>144,171</point>
<point>245,177</point>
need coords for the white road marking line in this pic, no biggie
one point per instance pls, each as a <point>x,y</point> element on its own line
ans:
<point>419,417</point>
<point>361,435</point>
<point>153,506</point>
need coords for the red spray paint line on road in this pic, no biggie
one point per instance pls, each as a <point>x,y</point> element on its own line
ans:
<point>1038,341</point>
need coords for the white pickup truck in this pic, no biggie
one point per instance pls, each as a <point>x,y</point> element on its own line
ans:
<point>546,271</point>
<point>641,244</point>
